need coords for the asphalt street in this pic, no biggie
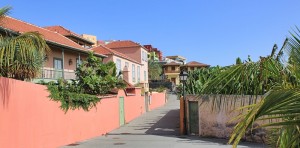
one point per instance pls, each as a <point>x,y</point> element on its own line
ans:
<point>154,129</point>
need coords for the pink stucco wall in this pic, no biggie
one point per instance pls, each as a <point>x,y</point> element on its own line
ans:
<point>136,54</point>
<point>132,52</point>
<point>29,119</point>
<point>157,100</point>
<point>134,106</point>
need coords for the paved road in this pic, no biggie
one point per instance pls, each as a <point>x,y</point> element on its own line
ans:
<point>154,129</point>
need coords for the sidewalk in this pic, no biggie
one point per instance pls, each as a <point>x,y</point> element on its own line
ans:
<point>154,129</point>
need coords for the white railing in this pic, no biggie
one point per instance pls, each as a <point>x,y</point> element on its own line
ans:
<point>56,74</point>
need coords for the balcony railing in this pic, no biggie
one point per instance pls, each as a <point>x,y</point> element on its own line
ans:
<point>172,71</point>
<point>56,74</point>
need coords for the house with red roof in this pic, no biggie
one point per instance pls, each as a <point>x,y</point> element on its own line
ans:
<point>154,52</point>
<point>175,64</point>
<point>82,41</point>
<point>138,72</point>
<point>65,54</point>
<point>193,65</point>
<point>124,64</point>
<point>171,71</point>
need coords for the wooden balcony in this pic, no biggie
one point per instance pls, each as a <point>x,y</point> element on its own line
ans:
<point>171,71</point>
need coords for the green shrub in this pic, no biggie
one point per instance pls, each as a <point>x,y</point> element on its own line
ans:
<point>94,79</point>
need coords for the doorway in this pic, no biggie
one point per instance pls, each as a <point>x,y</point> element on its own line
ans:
<point>193,118</point>
<point>121,111</point>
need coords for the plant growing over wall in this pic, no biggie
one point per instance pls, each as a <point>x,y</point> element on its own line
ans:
<point>281,103</point>
<point>272,77</point>
<point>94,79</point>
<point>97,78</point>
<point>68,94</point>
<point>197,79</point>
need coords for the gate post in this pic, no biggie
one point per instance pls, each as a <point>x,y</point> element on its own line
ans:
<point>181,125</point>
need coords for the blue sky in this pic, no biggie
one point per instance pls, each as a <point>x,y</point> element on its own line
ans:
<point>214,32</point>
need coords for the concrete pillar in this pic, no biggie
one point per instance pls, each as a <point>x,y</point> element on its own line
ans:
<point>126,74</point>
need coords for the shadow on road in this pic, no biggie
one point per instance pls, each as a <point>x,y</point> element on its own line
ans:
<point>167,125</point>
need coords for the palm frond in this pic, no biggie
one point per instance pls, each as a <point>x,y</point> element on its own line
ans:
<point>22,57</point>
<point>4,11</point>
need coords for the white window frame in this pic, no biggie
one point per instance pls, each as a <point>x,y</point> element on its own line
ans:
<point>138,74</point>
<point>118,65</point>
<point>133,73</point>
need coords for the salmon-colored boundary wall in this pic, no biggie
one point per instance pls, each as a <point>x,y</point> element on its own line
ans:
<point>28,119</point>
<point>157,100</point>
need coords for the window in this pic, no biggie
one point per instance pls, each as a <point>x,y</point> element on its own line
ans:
<point>146,56</point>
<point>118,66</point>
<point>138,74</point>
<point>192,68</point>
<point>78,62</point>
<point>173,68</point>
<point>58,67</point>
<point>145,75</point>
<point>57,63</point>
<point>133,73</point>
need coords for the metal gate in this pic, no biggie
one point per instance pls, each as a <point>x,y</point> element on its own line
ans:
<point>121,111</point>
<point>193,118</point>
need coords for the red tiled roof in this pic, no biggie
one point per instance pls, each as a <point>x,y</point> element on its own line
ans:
<point>18,26</point>
<point>99,42</point>
<point>106,51</point>
<point>172,64</point>
<point>148,47</point>
<point>196,64</point>
<point>22,27</point>
<point>122,44</point>
<point>128,85</point>
<point>65,32</point>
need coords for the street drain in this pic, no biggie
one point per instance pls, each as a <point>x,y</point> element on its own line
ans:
<point>125,133</point>
<point>181,137</point>
<point>73,144</point>
<point>115,138</point>
<point>119,143</point>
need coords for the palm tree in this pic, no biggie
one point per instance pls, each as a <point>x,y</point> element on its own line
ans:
<point>21,57</point>
<point>155,70</point>
<point>274,78</point>
<point>282,103</point>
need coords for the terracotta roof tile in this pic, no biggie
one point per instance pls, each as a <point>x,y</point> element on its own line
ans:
<point>106,51</point>
<point>18,26</point>
<point>148,47</point>
<point>172,64</point>
<point>122,44</point>
<point>176,56</point>
<point>128,85</point>
<point>22,27</point>
<point>66,32</point>
<point>196,64</point>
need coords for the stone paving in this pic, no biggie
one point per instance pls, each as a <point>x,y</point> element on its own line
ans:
<point>154,129</point>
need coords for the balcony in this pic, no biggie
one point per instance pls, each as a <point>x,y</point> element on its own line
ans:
<point>171,71</point>
<point>54,74</point>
